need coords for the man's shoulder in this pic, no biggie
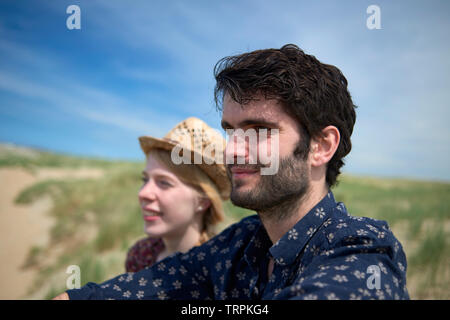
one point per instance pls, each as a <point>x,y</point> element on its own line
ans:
<point>346,251</point>
<point>342,220</point>
<point>341,225</point>
<point>344,229</point>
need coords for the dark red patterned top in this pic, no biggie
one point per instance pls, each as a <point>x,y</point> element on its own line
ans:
<point>143,254</point>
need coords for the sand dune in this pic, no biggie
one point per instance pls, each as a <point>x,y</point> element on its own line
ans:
<point>25,226</point>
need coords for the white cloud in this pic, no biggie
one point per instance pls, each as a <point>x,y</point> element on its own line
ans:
<point>88,103</point>
<point>399,76</point>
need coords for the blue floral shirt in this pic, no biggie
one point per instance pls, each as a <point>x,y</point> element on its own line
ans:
<point>328,254</point>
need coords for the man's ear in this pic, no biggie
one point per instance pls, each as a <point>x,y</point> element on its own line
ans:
<point>324,146</point>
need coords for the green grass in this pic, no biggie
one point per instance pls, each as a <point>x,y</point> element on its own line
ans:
<point>32,159</point>
<point>419,213</point>
<point>395,200</point>
<point>92,218</point>
<point>97,220</point>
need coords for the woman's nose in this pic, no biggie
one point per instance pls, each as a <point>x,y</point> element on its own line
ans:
<point>147,192</point>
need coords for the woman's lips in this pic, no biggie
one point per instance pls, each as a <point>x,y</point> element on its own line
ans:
<point>150,215</point>
<point>151,218</point>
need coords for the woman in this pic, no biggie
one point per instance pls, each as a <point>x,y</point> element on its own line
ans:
<point>180,203</point>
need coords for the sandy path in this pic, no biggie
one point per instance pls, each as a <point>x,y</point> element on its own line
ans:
<point>25,226</point>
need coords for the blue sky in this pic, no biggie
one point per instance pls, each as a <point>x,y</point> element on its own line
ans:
<point>139,67</point>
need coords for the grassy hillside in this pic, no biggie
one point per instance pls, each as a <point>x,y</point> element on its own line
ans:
<point>96,220</point>
<point>418,212</point>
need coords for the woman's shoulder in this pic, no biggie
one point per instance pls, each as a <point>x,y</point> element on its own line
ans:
<point>146,242</point>
<point>143,254</point>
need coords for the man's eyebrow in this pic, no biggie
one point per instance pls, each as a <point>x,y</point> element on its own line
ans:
<point>249,122</point>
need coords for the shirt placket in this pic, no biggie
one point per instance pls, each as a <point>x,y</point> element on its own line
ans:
<point>275,282</point>
<point>258,283</point>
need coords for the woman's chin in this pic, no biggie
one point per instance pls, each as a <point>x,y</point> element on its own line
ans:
<point>151,231</point>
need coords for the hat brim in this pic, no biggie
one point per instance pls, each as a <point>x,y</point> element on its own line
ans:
<point>147,143</point>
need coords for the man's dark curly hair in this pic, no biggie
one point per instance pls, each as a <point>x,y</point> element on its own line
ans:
<point>314,93</point>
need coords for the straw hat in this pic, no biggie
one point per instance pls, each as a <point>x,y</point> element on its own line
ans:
<point>202,142</point>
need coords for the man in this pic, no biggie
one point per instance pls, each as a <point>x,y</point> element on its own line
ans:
<point>302,244</point>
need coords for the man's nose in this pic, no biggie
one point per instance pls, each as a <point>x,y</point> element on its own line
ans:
<point>236,150</point>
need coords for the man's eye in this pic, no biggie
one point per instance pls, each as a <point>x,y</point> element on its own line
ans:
<point>260,128</point>
<point>228,131</point>
<point>144,179</point>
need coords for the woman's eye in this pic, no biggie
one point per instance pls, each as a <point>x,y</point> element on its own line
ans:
<point>164,183</point>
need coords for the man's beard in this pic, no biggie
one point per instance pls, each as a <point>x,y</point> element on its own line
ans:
<point>279,195</point>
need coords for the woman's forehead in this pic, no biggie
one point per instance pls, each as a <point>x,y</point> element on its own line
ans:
<point>154,166</point>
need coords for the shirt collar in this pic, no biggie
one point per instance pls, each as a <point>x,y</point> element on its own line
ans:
<point>286,250</point>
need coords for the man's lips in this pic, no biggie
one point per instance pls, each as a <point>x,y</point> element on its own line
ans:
<point>242,172</point>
